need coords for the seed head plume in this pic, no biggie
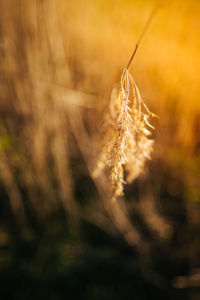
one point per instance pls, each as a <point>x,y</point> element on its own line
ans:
<point>125,142</point>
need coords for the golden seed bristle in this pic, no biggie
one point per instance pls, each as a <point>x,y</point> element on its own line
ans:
<point>126,131</point>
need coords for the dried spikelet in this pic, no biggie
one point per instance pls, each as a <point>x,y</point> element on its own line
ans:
<point>126,142</point>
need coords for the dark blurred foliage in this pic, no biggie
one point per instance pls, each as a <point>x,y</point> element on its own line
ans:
<point>52,260</point>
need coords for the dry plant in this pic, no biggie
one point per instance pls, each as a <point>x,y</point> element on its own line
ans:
<point>126,142</point>
<point>125,135</point>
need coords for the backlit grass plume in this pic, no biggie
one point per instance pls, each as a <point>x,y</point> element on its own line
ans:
<point>126,142</point>
<point>126,131</point>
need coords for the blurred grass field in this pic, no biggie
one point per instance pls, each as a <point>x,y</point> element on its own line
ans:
<point>59,238</point>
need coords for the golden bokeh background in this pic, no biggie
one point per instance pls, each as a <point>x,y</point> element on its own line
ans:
<point>59,61</point>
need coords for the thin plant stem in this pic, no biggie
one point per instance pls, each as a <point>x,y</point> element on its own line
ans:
<point>141,36</point>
